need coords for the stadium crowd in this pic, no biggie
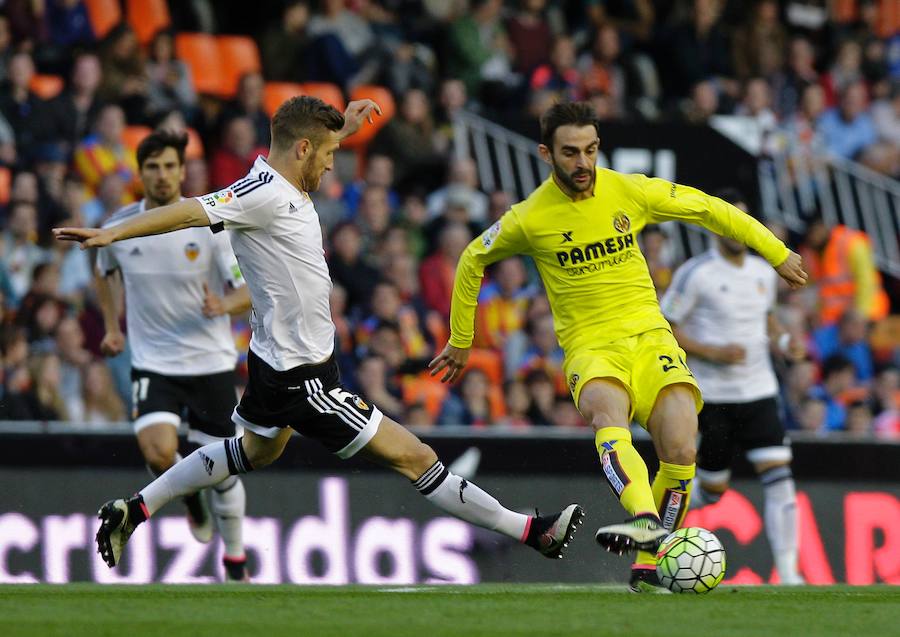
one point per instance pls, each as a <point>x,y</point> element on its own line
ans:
<point>398,212</point>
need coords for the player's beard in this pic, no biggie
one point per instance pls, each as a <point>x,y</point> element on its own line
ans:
<point>732,248</point>
<point>568,180</point>
<point>161,197</point>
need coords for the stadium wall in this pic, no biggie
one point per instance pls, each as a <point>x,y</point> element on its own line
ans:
<point>314,521</point>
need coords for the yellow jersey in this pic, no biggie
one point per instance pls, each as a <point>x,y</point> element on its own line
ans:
<point>588,257</point>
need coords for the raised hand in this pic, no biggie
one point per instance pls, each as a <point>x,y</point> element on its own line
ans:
<point>453,359</point>
<point>356,113</point>
<point>791,270</point>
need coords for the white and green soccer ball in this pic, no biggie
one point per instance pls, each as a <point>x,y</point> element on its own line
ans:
<point>690,560</point>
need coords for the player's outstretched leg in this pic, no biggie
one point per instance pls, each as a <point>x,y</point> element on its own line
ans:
<point>205,467</point>
<point>397,448</point>
<point>780,516</point>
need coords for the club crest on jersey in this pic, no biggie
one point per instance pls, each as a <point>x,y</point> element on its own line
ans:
<point>192,251</point>
<point>487,239</point>
<point>360,403</point>
<point>622,223</point>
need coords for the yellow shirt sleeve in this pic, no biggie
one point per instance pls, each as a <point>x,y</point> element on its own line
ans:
<point>673,202</point>
<point>862,265</point>
<point>503,239</point>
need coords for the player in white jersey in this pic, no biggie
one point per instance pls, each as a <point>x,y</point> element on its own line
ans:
<point>294,383</point>
<point>182,352</point>
<point>720,305</point>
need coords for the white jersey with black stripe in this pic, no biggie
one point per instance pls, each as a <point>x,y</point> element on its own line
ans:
<point>276,236</point>
<point>719,303</point>
<point>164,276</point>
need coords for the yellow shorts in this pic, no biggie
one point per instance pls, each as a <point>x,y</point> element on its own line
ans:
<point>644,364</point>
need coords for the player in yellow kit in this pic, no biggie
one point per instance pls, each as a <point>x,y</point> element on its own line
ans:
<point>621,360</point>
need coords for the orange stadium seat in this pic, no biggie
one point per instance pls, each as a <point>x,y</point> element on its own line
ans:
<point>367,132</point>
<point>147,18</point>
<point>277,93</point>
<point>133,135</point>
<point>46,86</point>
<point>103,15</point>
<point>498,403</point>
<point>5,183</point>
<point>194,148</point>
<point>488,361</point>
<point>426,391</point>
<point>239,55</point>
<point>200,52</point>
<point>327,92</point>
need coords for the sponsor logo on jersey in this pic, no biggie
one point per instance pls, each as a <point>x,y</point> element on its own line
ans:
<point>291,207</point>
<point>573,382</point>
<point>360,403</point>
<point>594,251</point>
<point>622,223</point>
<point>135,252</point>
<point>223,197</point>
<point>567,236</point>
<point>192,251</point>
<point>487,239</point>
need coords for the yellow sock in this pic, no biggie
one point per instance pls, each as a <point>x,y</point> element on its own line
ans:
<point>671,493</point>
<point>625,470</point>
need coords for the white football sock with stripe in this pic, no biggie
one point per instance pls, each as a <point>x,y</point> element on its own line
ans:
<point>228,502</point>
<point>205,467</point>
<point>459,497</point>
<point>780,516</point>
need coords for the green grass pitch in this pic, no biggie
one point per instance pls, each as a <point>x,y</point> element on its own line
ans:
<point>436,611</point>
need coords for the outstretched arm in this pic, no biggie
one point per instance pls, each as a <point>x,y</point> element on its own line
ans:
<point>667,202</point>
<point>177,216</point>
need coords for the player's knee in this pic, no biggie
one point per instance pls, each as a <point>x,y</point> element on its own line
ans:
<point>159,455</point>
<point>683,452</point>
<point>415,459</point>
<point>602,420</point>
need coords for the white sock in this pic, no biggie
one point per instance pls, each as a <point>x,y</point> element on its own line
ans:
<point>459,497</point>
<point>228,503</point>
<point>205,467</point>
<point>781,520</point>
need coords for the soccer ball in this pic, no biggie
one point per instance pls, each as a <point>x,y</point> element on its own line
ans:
<point>690,560</point>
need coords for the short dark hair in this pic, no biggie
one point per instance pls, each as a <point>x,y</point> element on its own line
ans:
<point>302,117</point>
<point>157,141</point>
<point>565,114</point>
<point>835,364</point>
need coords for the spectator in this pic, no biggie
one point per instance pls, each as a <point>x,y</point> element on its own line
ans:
<point>468,404</point>
<point>248,103</point>
<point>502,305</point>
<point>68,24</point>
<point>354,37</point>
<point>42,308</point>
<point>74,358</point>
<point>848,130</point>
<point>561,75</point>
<point>801,73</point>
<point>848,338</point>
<point>845,72</point>
<point>479,49</point>
<point>886,115</point>
<point>801,130</point>
<point>602,71</point>
<point>286,46</point>
<point>343,331</point>
<point>409,139</point>
<point>452,99</point>
<point>387,306</point>
<point>703,104</point>
<point>530,36</point>
<point>104,152</point>
<point>884,402</point>
<point>74,111</point>
<point>124,73</point>
<point>759,43</point>
<point>102,404</point>
<point>517,402</point>
<point>544,352</point>
<point>372,378</point>
<point>379,172</point>
<point>859,420</point>
<point>437,271</point>
<point>813,415</point>
<point>7,143</point>
<point>6,48</point>
<point>232,161</point>
<point>19,252</point>
<point>45,401</point>
<point>840,263</point>
<point>170,86</point>
<point>462,182</point>
<point>699,49</point>
<point>374,220</point>
<point>329,202</point>
<point>543,397</point>
<point>349,269</point>
<point>112,194</point>
<point>838,377</point>
<point>25,112</point>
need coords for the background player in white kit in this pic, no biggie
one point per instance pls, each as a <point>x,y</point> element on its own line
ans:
<point>294,382</point>
<point>720,305</point>
<point>182,357</point>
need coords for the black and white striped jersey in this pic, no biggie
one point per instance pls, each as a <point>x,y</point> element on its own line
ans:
<point>276,236</point>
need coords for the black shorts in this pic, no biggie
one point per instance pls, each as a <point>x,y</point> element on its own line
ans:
<point>204,402</point>
<point>308,399</point>
<point>754,428</point>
